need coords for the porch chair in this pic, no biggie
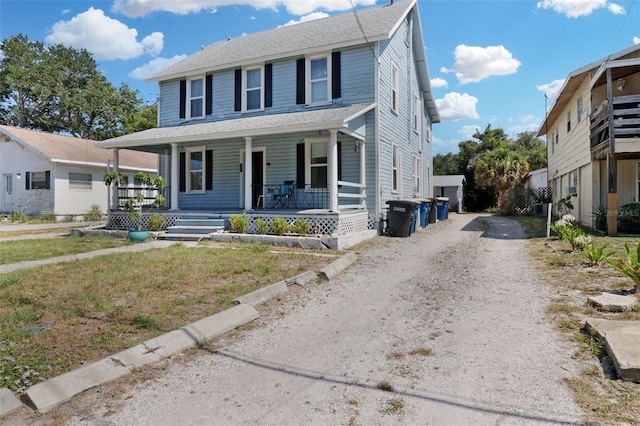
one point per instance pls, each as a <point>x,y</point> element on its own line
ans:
<point>285,198</point>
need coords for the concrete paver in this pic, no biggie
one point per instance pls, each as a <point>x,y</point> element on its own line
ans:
<point>622,343</point>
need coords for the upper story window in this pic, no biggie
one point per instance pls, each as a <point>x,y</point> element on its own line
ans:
<point>416,113</point>
<point>568,121</point>
<point>316,165</point>
<point>318,80</point>
<point>395,168</point>
<point>195,96</point>
<point>395,83</point>
<point>253,98</point>
<point>580,109</point>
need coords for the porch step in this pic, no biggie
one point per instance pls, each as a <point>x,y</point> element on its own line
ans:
<point>200,222</point>
<point>182,237</point>
<point>193,229</point>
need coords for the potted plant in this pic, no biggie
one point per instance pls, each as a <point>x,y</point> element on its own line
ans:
<point>134,204</point>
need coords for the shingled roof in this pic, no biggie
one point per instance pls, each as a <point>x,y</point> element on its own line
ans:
<point>348,29</point>
<point>67,149</point>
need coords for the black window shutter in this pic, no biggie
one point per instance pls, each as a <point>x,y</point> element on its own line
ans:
<point>209,170</point>
<point>47,180</point>
<point>336,89</point>
<point>183,172</point>
<point>209,94</point>
<point>339,160</point>
<point>268,77</point>
<point>300,172</point>
<point>183,98</point>
<point>238,90</point>
<point>27,181</point>
<point>300,81</point>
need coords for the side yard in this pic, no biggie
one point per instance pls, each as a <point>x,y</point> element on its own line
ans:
<point>577,273</point>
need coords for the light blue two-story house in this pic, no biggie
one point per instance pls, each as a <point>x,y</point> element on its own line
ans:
<point>326,120</point>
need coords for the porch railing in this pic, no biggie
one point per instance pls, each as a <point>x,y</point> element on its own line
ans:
<point>626,119</point>
<point>290,196</point>
<point>148,195</point>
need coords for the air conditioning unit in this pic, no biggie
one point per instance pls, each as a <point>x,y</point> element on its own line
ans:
<point>572,190</point>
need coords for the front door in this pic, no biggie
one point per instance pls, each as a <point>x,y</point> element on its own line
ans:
<point>7,191</point>
<point>257,177</point>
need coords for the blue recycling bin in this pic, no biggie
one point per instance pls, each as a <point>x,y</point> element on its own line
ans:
<point>442,204</point>
<point>424,212</point>
<point>414,218</point>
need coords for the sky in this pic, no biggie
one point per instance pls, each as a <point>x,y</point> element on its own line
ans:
<point>491,63</point>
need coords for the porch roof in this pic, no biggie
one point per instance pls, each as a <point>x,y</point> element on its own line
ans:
<point>262,125</point>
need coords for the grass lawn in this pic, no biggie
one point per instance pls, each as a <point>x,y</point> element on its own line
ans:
<point>604,398</point>
<point>22,250</point>
<point>56,318</point>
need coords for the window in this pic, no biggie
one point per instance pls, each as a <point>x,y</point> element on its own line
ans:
<point>557,136</point>
<point>394,87</point>
<point>195,172</point>
<point>79,180</point>
<point>37,180</point>
<point>319,80</point>
<point>416,113</point>
<point>8,184</point>
<point>569,121</point>
<point>574,179</point>
<point>316,163</point>
<point>416,173</point>
<point>253,89</point>
<point>195,96</point>
<point>580,109</point>
<point>395,168</point>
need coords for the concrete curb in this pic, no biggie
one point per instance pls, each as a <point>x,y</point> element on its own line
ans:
<point>336,267</point>
<point>51,393</point>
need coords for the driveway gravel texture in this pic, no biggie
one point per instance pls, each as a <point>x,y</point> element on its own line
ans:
<point>446,327</point>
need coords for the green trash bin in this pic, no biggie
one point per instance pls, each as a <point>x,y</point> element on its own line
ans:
<point>400,217</point>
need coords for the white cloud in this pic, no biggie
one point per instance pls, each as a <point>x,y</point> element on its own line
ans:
<point>104,37</point>
<point>551,89</point>
<point>468,131</point>
<point>456,106</point>
<point>306,18</point>
<point>576,8</point>
<point>445,146</point>
<point>616,9</point>
<point>636,40</point>
<point>474,63</point>
<point>524,123</point>
<point>439,82</point>
<point>136,8</point>
<point>154,66</point>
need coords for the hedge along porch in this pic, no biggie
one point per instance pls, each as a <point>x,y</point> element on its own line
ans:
<point>222,166</point>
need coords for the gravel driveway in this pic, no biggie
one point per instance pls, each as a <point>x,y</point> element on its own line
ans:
<point>449,321</point>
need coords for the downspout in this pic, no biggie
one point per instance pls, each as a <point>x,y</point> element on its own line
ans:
<point>378,211</point>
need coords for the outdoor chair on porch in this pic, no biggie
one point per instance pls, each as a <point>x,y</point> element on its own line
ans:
<point>285,197</point>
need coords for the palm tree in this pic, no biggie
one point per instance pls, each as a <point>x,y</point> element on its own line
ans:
<point>501,169</point>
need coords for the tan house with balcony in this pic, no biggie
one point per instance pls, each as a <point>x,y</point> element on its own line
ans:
<point>593,137</point>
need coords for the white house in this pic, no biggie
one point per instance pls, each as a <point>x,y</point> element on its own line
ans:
<point>44,172</point>
<point>450,186</point>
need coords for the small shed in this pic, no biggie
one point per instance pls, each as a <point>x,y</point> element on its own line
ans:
<point>450,186</point>
<point>536,179</point>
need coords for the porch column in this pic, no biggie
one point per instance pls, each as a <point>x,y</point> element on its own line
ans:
<point>333,170</point>
<point>363,175</point>
<point>175,178</point>
<point>116,166</point>
<point>248,178</point>
<point>612,163</point>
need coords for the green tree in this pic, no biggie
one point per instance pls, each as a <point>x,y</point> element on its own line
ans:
<point>502,169</point>
<point>60,89</point>
<point>533,149</point>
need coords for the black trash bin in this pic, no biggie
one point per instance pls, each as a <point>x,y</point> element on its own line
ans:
<point>433,211</point>
<point>399,218</point>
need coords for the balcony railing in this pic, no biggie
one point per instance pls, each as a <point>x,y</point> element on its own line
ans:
<point>626,121</point>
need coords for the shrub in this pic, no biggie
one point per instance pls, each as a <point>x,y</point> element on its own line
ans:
<point>301,226</point>
<point>47,217</point>
<point>18,217</point>
<point>629,264</point>
<point>94,214</point>
<point>238,223</point>
<point>280,226</point>
<point>262,226</point>
<point>69,218</point>
<point>157,222</point>
<point>596,254</point>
